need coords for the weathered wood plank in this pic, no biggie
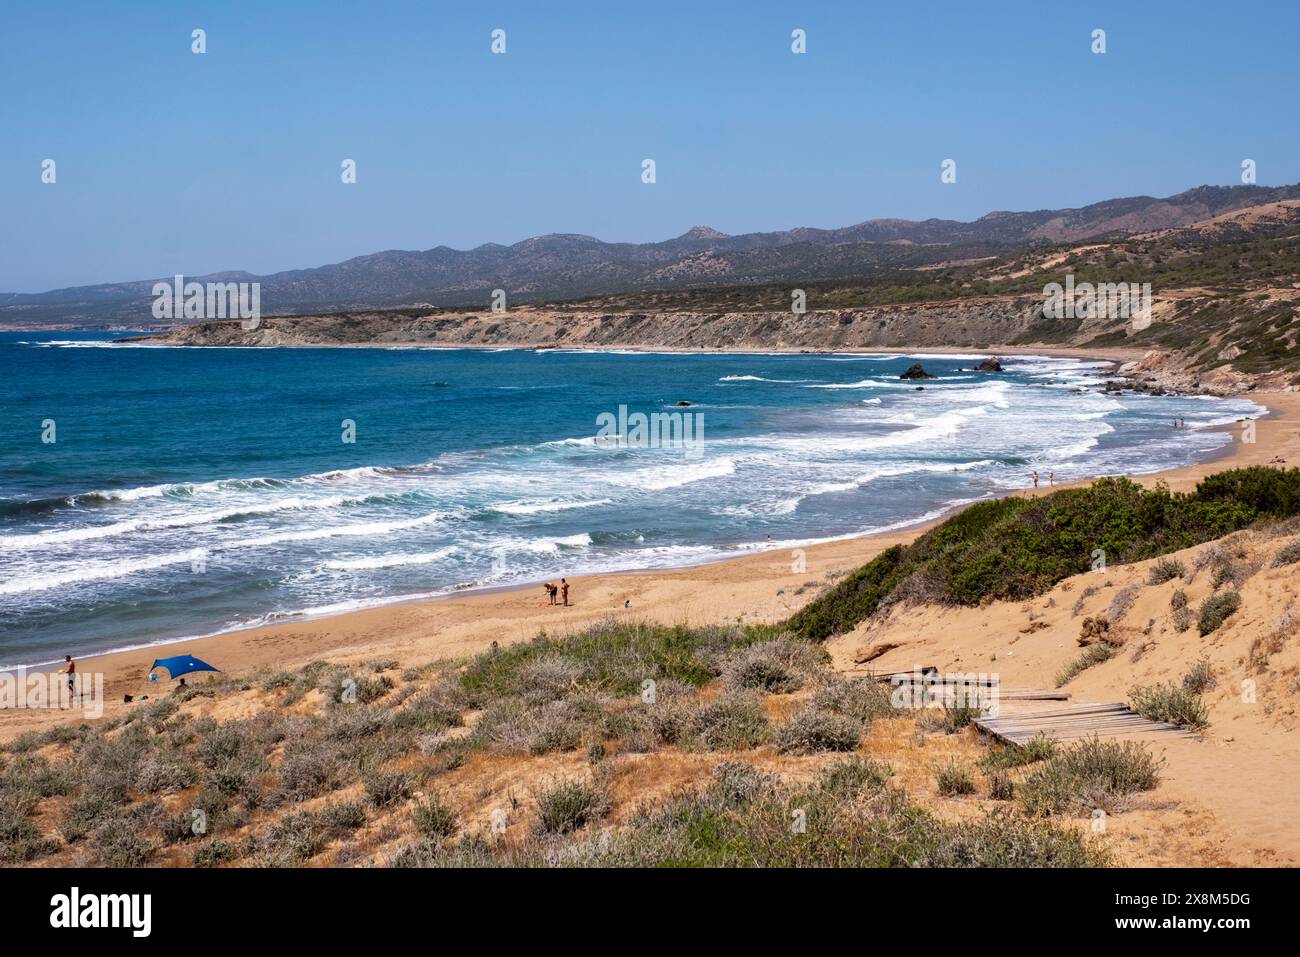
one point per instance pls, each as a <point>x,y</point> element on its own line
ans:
<point>1078,721</point>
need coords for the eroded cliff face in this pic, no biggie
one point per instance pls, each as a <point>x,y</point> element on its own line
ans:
<point>973,322</point>
<point>1197,341</point>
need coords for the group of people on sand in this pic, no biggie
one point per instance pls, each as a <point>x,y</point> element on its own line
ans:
<point>1051,478</point>
<point>562,589</point>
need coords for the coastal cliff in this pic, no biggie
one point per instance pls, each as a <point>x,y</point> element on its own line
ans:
<point>1192,346</point>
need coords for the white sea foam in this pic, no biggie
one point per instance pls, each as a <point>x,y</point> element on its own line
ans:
<point>391,561</point>
<point>533,508</point>
<point>94,571</point>
<point>163,523</point>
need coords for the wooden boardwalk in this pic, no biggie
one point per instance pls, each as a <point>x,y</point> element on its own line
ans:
<point>1074,721</point>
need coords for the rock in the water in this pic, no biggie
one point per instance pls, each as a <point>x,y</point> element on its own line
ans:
<point>683,403</point>
<point>916,371</point>
<point>991,364</point>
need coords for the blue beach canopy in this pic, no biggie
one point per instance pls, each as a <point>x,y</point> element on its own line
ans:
<point>182,665</point>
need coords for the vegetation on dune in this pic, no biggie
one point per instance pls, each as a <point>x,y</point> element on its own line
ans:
<point>1016,548</point>
<point>1171,703</point>
<point>1090,656</point>
<point>1093,774</point>
<point>849,817</point>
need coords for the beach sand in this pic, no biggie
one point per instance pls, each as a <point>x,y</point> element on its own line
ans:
<point>762,587</point>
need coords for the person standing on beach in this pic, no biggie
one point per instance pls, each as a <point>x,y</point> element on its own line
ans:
<point>1051,479</point>
<point>564,591</point>
<point>1035,478</point>
<point>550,592</point>
<point>70,669</point>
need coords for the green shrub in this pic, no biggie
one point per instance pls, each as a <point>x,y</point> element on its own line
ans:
<point>211,853</point>
<point>386,787</point>
<point>433,818</point>
<point>732,722</point>
<point>1167,569</point>
<point>1001,787</point>
<point>119,843</point>
<point>850,777</point>
<point>342,817</point>
<point>1091,774</point>
<point>1039,748</point>
<point>1224,573</point>
<point>1270,492</point>
<point>1014,548</point>
<point>1090,656</point>
<point>1215,610</point>
<point>1287,555</point>
<point>1199,678</point>
<point>293,840</point>
<point>812,730</point>
<point>738,783</point>
<point>568,805</point>
<point>950,718</point>
<point>20,839</point>
<point>1169,703</point>
<point>858,698</point>
<point>774,667</point>
<point>953,780</point>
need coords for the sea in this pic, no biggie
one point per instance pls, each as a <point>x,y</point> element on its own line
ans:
<point>153,493</point>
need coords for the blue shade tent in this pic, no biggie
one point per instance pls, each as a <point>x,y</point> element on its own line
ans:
<point>182,665</point>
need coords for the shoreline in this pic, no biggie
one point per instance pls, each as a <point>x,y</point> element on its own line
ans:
<point>762,586</point>
<point>1114,357</point>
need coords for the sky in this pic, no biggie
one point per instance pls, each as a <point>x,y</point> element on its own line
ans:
<point>168,161</point>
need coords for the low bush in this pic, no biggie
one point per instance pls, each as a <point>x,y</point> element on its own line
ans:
<point>1088,658</point>
<point>1287,555</point>
<point>1167,569</point>
<point>812,730</point>
<point>1091,774</point>
<point>1170,703</point>
<point>433,818</point>
<point>1215,610</point>
<point>1039,748</point>
<point>1200,678</point>
<point>950,718</point>
<point>953,781</point>
<point>1001,787</point>
<point>385,787</point>
<point>731,722</point>
<point>774,667</point>
<point>565,806</point>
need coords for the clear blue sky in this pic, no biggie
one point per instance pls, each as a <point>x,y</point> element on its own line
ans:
<point>173,162</point>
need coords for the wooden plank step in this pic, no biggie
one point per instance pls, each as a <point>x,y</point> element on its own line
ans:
<point>1032,694</point>
<point>1073,722</point>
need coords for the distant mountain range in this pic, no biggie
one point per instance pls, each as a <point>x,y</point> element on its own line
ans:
<point>566,266</point>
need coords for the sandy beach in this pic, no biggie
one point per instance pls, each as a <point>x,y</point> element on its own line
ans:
<point>761,587</point>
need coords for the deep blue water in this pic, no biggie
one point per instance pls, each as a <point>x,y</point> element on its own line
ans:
<point>194,490</point>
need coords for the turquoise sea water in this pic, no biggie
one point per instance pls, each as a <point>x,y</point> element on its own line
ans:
<point>190,491</point>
